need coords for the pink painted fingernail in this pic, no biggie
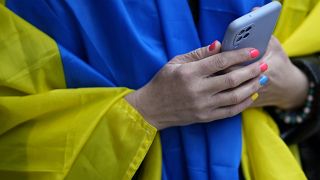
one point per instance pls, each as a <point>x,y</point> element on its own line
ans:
<point>212,46</point>
<point>254,53</point>
<point>263,67</point>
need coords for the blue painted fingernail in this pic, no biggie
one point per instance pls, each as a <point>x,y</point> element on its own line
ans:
<point>263,80</point>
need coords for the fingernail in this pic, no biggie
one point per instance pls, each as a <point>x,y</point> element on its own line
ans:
<point>254,96</point>
<point>212,46</point>
<point>263,67</point>
<point>254,53</point>
<point>263,80</point>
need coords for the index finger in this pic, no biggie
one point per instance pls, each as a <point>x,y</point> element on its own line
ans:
<point>223,60</point>
<point>198,54</point>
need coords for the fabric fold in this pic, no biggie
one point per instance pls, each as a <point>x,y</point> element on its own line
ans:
<point>51,132</point>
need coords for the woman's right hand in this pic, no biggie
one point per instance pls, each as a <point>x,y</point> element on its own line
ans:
<point>186,90</point>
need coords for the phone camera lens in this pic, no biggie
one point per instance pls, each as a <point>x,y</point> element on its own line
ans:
<point>246,35</point>
<point>242,31</point>
<point>239,38</point>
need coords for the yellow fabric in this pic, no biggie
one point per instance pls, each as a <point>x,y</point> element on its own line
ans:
<point>265,156</point>
<point>295,152</point>
<point>50,132</point>
<point>298,28</point>
<point>150,168</point>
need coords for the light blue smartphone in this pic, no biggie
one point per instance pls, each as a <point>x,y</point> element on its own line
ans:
<point>253,29</point>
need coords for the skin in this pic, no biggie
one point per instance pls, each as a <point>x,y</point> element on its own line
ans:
<point>288,86</point>
<point>189,89</point>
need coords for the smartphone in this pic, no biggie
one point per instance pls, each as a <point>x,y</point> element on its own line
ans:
<point>253,29</point>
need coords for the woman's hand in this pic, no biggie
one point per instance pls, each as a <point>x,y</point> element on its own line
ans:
<point>186,91</point>
<point>288,86</point>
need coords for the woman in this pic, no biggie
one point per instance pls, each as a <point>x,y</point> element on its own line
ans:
<point>94,133</point>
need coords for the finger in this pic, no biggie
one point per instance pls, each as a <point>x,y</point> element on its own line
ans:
<point>198,54</point>
<point>221,61</point>
<point>235,78</point>
<point>233,110</point>
<point>237,95</point>
<point>273,46</point>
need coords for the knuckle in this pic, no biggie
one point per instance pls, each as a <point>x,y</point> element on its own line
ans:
<point>198,102</point>
<point>196,54</point>
<point>255,87</point>
<point>177,57</point>
<point>199,87</point>
<point>220,63</point>
<point>184,74</point>
<point>206,67</point>
<point>199,110</point>
<point>239,108</point>
<point>234,98</point>
<point>253,72</point>
<point>230,81</point>
<point>201,116</point>
<point>230,112</point>
<point>192,96</point>
<point>178,74</point>
<point>191,93</point>
<point>218,99</point>
<point>234,111</point>
<point>242,55</point>
<point>197,107</point>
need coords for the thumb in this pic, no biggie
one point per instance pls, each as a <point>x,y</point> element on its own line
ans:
<point>198,54</point>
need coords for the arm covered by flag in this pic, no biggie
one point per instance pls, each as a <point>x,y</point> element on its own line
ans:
<point>50,132</point>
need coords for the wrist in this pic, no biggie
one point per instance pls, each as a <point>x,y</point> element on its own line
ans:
<point>135,101</point>
<point>300,92</point>
<point>298,116</point>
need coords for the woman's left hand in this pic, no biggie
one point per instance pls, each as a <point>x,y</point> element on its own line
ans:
<point>287,87</point>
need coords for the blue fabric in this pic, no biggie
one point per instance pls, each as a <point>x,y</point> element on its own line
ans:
<point>124,43</point>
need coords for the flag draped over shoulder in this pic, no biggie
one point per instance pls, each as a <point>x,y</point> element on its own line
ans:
<point>265,155</point>
<point>65,67</point>
<point>50,132</point>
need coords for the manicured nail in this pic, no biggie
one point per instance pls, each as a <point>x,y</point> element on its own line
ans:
<point>212,46</point>
<point>263,80</point>
<point>263,67</point>
<point>254,53</point>
<point>254,96</point>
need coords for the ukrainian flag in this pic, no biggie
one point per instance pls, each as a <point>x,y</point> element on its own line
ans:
<point>50,132</point>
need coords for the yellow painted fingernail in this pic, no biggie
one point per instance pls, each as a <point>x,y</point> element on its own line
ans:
<point>254,96</point>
